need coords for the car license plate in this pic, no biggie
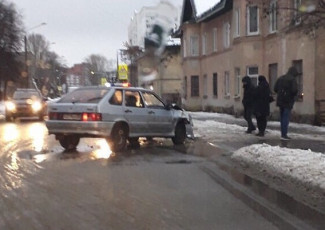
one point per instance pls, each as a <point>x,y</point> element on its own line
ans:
<point>69,116</point>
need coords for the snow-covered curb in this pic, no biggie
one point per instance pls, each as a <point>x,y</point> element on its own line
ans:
<point>301,173</point>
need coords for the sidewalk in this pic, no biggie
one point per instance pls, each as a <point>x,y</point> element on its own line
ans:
<point>295,168</point>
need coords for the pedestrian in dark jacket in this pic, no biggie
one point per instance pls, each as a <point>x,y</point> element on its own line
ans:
<point>286,88</point>
<point>262,104</point>
<point>248,102</point>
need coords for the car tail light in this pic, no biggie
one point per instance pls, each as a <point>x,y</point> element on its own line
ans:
<point>53,116</point>
<point>91,117</point>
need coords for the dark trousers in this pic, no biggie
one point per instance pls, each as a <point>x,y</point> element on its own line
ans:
<point>248,113</point>
<point>284,120</point>
<point>261,123</point>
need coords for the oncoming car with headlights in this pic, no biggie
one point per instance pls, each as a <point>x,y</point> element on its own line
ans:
<point>119,114</point>
<point>25,103</point>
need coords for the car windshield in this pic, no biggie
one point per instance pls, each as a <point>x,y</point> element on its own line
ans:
<point>84,96</point>
<point>20,95</point>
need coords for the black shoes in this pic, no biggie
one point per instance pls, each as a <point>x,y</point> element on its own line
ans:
<point>260,134</point>
<point>285,138</point>
<point>250,130</point>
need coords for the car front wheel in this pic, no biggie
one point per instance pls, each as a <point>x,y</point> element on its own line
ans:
<point>180,134</point>
<point>69,142</point>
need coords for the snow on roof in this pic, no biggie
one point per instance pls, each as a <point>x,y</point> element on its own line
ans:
<point>173,41</point>
<point>203,6</point>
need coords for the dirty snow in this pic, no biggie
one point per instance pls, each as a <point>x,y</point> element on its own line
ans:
<point>286,169</point>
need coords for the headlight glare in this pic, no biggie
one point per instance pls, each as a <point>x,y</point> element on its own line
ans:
<point>37,106</point>
<point>10,106</point>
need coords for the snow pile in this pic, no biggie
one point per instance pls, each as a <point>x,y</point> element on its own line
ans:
<point>300,171</point>
<point>203,6</point>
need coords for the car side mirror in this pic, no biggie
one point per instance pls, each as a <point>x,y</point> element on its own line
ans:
<point>168,106</point>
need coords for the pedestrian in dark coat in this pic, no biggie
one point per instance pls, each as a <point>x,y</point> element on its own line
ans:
<point>262,104</point>
<point>286,88</point>
<point>248,102</point>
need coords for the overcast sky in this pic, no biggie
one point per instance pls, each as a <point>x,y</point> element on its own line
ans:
<point>82,27</point>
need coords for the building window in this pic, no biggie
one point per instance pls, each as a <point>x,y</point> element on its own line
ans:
<point>297,15</point>
<point>194,43</point>
<point>273,16</point>
<point>226,35</point>
<point>252,20</point>
<point>195,86</point>
<point>252,72</point>
<point>184,48</point>
<point>298,65</point>
<point>273,73</point>
<point>215,85</point>
<point>227,84</point>
<point>215,40</point>
<point>204,44</point>
<point>237,23</point>
<point>185,87</point>
<point>205,86</point>
<point>237,81</point>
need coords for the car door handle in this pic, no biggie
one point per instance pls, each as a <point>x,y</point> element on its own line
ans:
<point>151,112</point>
<point>128,111</point>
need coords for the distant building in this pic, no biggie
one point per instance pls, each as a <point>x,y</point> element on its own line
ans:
<point>142,21</point>
<point>78,75</point>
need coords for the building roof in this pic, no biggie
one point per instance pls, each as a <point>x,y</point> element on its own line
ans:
<point>204,10</point>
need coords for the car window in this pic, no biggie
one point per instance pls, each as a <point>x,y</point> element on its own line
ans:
<point>133,99</point>
<point>117,98</point>
<point>152,100</point>
<point>84,96</point>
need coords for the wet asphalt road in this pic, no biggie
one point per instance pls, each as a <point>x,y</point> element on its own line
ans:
<point>155,186</point>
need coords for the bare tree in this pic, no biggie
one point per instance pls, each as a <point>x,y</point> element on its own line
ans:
<point>98,67</point>
<point>11,33</point>
<point>307,14</point>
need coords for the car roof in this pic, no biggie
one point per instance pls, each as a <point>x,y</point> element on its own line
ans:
<point>113,87</point>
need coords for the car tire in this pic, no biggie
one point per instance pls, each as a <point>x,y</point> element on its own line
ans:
<point>69,142</point>
<point>180,134</point>
<point>118,139</point>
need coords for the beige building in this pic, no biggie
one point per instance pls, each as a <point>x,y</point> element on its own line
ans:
<point>236,38</point>
<point>165,77</point>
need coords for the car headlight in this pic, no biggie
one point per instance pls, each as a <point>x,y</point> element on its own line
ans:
<point>10,106</point>
<point>36,106</point>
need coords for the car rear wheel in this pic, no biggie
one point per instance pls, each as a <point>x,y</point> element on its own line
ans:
<point>180,134</point>
<point>69,142</point>
<point>119,138</point>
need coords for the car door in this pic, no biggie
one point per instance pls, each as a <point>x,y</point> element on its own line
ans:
<point>135,113</point>
<point>160,119</point>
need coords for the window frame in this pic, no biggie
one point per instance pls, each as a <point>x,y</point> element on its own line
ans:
<point>273,19</point>
<point>237,22</point>
<point>226,35</point>
<point>254,77</point>
<point>227,83</point>
<point>249,32</point>
<point>297,14</point>
<point>194,46</point>
<point>237,81</point>
<point>204,44</point>
<point>215,39</point>
<point>195,86</point>
<point>215,84</point>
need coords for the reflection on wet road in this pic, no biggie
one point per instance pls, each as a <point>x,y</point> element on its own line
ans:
<point>154,186</point>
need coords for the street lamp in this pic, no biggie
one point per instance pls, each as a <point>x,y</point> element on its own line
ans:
<point>29,80</point>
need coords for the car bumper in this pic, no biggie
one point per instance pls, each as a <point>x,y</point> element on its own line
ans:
<point>83,129</point>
